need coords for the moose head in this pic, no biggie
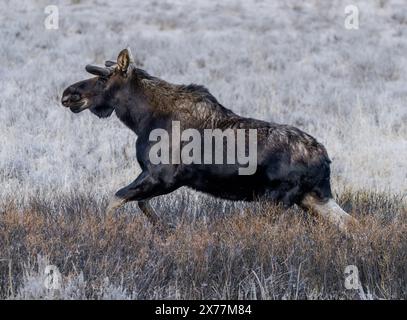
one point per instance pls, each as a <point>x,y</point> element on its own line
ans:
<point>98,94</point>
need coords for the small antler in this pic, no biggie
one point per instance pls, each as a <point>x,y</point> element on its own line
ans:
<point>110,63</point>
<point>98,71</point>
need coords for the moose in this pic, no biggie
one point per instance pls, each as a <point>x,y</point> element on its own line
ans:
<point>292,166</point>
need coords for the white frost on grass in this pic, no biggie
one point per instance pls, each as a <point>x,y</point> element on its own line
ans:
<point>289,62</point>
<point>72,287</point>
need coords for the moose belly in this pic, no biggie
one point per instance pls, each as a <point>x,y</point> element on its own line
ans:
<point>230,187</point>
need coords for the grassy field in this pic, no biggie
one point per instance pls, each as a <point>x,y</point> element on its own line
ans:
<point>260,252</point>
<point>290,62</point>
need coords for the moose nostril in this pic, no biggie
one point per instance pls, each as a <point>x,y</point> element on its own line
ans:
<point>75,97</point>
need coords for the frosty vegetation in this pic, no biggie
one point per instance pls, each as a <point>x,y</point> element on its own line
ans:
<point>290,62</point>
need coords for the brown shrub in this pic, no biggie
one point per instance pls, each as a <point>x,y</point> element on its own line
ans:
<point>260,252</point>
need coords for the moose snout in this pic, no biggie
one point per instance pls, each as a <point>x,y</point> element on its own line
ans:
<point>65,100</point>
<point>69,97</point>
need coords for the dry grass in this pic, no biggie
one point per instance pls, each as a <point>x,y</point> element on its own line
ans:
<point>263,252</point>
<point>294,64</point>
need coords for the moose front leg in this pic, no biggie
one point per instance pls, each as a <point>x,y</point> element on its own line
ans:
<point>148,211</point>
<point>144,206</point>
<point>141,190</point>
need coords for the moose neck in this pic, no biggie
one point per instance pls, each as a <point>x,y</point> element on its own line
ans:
<point>134,112</point>
<point>133,107</point>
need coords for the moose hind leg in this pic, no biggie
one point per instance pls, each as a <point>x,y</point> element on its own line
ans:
<point>329,210</point>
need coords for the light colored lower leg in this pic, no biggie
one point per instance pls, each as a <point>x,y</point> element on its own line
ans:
<point>114,204</point>
<point>329,210</point>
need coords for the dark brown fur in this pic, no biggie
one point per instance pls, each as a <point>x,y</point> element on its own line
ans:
<point>290,163</point>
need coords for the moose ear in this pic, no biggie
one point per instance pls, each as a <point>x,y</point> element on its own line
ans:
<point>124,59</point>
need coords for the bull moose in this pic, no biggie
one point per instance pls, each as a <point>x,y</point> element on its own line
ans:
<point>292,166</point>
